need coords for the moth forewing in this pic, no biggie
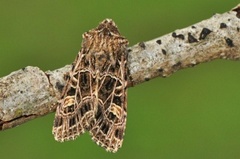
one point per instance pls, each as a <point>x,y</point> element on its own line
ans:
<point>94,97</point>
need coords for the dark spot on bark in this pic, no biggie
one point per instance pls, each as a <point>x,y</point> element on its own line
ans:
<point>238,29</point>
<point>229,42</point>
<point>159,42</point>
<point>191,39</point>
<point>142,45</point>
<point>180,36</point>
<point>164,52</point>
<point>204,33</point>
<point>223,25</point>
<point>23,68</point>
<point>238,11</point>
<point>229,19</point>
<point>128,77</point>
<point>177,65</point>
<point>180,45</point>
<point>146,79</point>
<point>129,50</point>
<point>59,86</point>
<point>192,65</point>
<point>193,27</point>
<point>174,35</point>
<point>21,92</point>
<point>160,70</point>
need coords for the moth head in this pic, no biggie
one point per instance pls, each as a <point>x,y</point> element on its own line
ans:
<point>108,27</point>
<point>107,32</point>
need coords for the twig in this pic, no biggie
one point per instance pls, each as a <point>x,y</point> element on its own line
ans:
<point>30,93</point>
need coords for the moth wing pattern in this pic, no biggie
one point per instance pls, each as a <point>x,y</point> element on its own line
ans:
<point>94,98</point>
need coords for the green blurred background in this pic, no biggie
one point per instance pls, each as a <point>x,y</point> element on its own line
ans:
<point>194,114</point>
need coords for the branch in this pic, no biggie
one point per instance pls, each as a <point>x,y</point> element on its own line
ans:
<point>30,92</point>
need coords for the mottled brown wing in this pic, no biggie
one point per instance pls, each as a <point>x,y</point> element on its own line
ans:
<point>76,108</point>
<point>111,115</point>
<point>94,98</point>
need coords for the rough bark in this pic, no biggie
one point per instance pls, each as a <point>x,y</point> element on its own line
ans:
<point>30,92</point>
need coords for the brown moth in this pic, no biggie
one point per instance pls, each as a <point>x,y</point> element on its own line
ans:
<point>94,98</point>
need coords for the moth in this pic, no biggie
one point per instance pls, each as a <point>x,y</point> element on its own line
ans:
<point>94,97</point>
